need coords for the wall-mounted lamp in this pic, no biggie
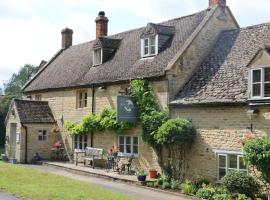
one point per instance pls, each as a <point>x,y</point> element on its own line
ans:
<point>102,88</point>
<point>251,112</point>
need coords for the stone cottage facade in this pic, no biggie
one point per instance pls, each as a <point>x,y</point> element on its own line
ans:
<point>202,67</point>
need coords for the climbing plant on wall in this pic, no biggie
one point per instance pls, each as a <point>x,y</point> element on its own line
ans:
<point>105,120</point>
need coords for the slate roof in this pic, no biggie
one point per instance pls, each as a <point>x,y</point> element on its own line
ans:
<point>73,67</point>
<point>223,75</point>
<point>34,111</point>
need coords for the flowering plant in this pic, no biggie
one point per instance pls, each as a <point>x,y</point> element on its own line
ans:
<point>57,144</point>
<point>56,129</point>
<point>113,150</point>
<point>246,137</point>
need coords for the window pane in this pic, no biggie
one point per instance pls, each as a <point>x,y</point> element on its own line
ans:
<point>128,148</point>
<point>256,76</point>
<point>97,56</point>
<point>152,40</point>
<point>241,163</point>
<point>267,89</point>
<point>135,149</point>
<point>146,42</point>
<point>153,50</point>
<point>85,99</point>
<point>128,140</point>
<point>222,161</point>
<point>267,74</point>
<point>233,161</point>
<point>256,90</point>
<point>222,173</point>
<point>135,140</point>
<point>121,148</point>
<point>121,140</point>
<point>146,51</point>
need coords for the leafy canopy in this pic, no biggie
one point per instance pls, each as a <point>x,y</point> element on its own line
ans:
<point>257,153</point>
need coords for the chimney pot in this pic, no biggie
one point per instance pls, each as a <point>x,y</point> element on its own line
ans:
<point>66,38</point>
<point>101,25</point>
<point>221,3</point>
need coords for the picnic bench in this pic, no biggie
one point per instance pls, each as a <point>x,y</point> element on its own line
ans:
<point>90,155</point>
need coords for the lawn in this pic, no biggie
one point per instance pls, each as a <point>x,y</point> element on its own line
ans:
<point>36,185</point>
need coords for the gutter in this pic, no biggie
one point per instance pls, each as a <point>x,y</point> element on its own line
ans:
<point>26,141</point>
<point>93,112</point>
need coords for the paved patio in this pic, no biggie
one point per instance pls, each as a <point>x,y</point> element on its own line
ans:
<point>95,172</point>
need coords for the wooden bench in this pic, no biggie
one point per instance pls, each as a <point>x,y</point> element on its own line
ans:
<point>92,154</point>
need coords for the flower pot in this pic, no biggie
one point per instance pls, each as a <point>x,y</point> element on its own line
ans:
<point>141,178</point>
<point>152,173</point>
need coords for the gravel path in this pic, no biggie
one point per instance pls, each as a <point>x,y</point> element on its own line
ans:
<point>6,196</point>
<point>139,193</point>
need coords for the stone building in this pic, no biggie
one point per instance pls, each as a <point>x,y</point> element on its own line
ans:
<point>202,67</point>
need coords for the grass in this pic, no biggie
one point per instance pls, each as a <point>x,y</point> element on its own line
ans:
<point>36,185</point>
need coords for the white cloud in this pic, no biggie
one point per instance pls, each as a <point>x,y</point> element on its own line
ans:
<point>30,29</point>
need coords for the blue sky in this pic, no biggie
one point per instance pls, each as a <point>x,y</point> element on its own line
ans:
<point>30,29</point>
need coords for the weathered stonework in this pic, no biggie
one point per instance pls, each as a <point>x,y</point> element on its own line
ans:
<point>218,128</point>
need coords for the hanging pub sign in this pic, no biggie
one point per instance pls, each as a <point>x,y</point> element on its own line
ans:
<point>126,109</point>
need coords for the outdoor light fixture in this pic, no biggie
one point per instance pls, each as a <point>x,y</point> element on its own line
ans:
<point>250,113</point>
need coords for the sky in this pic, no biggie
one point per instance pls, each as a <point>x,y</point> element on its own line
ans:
<point>30,30</point>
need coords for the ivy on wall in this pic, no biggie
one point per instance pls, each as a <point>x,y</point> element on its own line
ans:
<point>105,120</point>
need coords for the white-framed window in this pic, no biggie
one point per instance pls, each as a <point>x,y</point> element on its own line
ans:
<point>259,83</point>
<point>227,162</point>
<point>81,99</point>
<point>80,141</point>
<point>42,135</point>
<point>128,145</point>
<point>149,46</point>
<point>97,56</point>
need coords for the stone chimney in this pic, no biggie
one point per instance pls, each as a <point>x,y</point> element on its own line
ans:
<point>66,38</point>
<point>101,25</point>
<point>221,3</point>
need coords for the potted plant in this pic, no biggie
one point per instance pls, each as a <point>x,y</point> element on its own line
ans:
<point>152,173</point>
<point>141,175</point>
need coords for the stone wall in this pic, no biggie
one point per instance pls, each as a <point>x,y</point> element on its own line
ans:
<point>219,129</point>
<point>63,106</point>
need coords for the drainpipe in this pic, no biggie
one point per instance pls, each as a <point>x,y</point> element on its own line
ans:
<point>26,138</point>
<point>93,111</point>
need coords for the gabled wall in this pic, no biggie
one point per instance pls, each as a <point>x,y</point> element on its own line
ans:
<point>198,47</point>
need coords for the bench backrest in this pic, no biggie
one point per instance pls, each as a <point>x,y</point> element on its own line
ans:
<point>90,151</point>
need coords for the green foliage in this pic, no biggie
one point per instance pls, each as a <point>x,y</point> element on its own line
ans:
<point>240,182</point>
<point>257,153</point>
<point>242,197</point>
<point>175,184</point>
<point>108,121</point>
<point>150,184</point>
<point>200,182</point>
<point>221,197</point>
<point>151,116</point>
<point>141,172</point>
<point>105,120</point>
<point>206,192</point>
<point>188,187</point>
<point>166,185</point>
<point>175,131</point>
<point>13,90</point>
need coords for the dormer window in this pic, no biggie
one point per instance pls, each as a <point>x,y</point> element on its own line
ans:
<point>97,56</point>
<point>149,46</point>
<point>259,83</point>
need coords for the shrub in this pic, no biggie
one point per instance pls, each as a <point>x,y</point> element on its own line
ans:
<point>175,184</point>
<point>156,184</point>
<point>240,182</point>
<point>221,197</point>
<point>175,131</point>
<point>206,192</point>
<point>150,184</point>
<point>166,185</point>
<point>242,197</point>
<point>200,182</point>
<point>188,187</point>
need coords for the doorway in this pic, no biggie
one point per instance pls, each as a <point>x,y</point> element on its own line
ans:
<point>12,141</point>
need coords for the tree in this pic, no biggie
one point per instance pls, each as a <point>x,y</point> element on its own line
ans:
<point>257,154</point>
<point>13,90</point>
